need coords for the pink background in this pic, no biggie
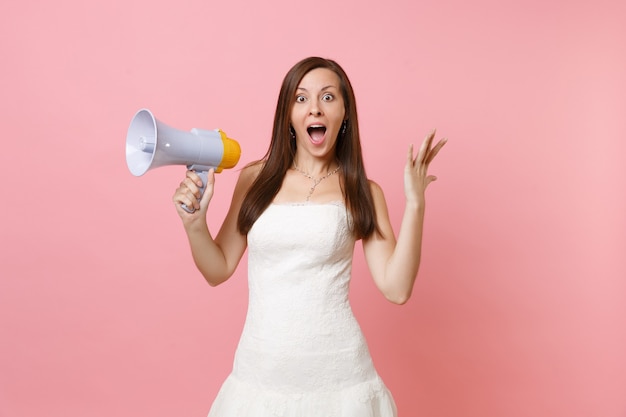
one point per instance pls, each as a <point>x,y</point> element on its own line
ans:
<point>520,307</point>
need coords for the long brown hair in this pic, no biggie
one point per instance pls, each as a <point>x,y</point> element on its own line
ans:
<point>279,156</point>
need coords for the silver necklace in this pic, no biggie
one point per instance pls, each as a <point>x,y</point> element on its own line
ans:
<point>316,181</point>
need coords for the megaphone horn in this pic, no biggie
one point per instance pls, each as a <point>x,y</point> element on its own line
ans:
<point>152,144</point>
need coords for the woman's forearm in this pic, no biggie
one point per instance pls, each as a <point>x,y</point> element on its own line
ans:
<point>208,255</point>
<point>403,264</point>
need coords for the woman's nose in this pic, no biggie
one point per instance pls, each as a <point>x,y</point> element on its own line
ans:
<point>315,110</point>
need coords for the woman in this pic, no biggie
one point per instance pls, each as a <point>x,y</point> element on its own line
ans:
<point>299,211</point>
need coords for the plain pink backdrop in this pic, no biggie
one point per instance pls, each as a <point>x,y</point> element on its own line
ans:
<point>520,306</point>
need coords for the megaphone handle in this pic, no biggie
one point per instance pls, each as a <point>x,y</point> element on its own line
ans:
<point>204,176</point>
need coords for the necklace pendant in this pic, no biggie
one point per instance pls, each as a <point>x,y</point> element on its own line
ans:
<point>316,181</point>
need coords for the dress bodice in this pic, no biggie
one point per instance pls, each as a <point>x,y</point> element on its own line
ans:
<point>301,247</point>
<point>299,267</point>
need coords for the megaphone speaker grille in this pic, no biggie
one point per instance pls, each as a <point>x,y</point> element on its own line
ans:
<point>141,142</point>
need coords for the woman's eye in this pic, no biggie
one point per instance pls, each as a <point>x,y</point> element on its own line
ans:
<point>327,97</point>
<point>300,99</point>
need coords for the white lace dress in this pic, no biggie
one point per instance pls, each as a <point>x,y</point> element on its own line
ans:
<point>301,353</point>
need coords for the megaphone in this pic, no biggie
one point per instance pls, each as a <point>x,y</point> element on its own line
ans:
<point>152,144</point>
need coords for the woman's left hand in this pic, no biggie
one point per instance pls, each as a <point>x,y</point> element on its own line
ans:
<point>416,177</point>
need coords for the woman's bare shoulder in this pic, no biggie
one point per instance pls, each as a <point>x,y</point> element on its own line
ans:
<point>248,174</point>
<point>375,189</point>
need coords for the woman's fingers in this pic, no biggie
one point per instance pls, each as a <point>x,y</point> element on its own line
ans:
<point>188,192</point>
<point>422,155</point>
<point>427,151</point>
<point>209,188</point>
<point>435,150</point>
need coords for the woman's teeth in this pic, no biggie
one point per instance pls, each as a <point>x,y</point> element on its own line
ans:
<point>316,133</point>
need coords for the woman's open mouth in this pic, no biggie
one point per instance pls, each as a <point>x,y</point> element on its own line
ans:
<point>317,133</point>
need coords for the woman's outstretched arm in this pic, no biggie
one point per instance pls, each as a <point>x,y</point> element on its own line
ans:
<point>216,258</point>
<point>394,264</point>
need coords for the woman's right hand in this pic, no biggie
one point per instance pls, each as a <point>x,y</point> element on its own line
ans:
<point>188,193</point>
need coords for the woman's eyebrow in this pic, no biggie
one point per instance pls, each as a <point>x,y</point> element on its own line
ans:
<point>323,88</point>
